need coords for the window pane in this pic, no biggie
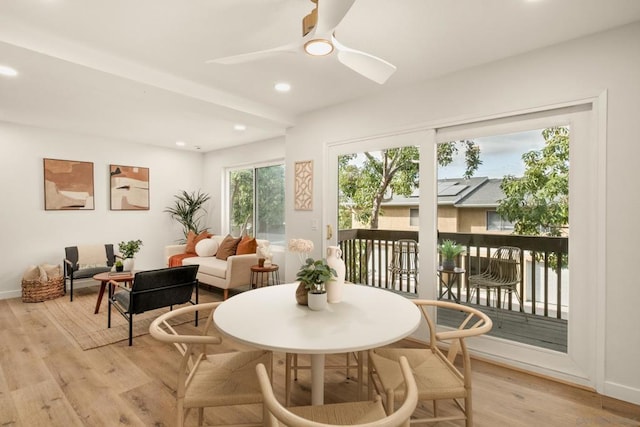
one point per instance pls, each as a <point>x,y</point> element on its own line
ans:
<point>414,217</point>
<point>270,204</point>
<point>240,201</point>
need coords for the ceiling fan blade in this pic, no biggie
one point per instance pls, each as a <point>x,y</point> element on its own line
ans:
<point>330,13</point>
<point>369,66</point>
<point>255,56</point>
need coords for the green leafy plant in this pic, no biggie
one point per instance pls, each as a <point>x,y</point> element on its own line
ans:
<point>188,209</point>
<point>130,248</point>
<point>450,249</point>
<point>118,263</point>
<point>314,274</point>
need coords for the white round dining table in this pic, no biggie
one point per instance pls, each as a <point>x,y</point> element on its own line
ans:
<point>269,318</point>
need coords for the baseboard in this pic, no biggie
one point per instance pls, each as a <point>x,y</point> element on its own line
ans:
<point>619,394</point>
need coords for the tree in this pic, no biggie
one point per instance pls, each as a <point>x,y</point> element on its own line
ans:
<point>364,188</point>
<point>538,202</point>
<point>268,199</point>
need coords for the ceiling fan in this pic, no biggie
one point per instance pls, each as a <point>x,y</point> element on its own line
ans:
<point>318,39</point>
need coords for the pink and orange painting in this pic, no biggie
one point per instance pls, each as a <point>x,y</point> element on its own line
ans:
<point>129,188</point>
<point>68,185</point>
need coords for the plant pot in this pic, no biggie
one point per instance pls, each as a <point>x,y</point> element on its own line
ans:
<point>301,294</point>
<point>448,264</point>
<point>127,263</point>
<point>317,302</point>
<point>119,268</point>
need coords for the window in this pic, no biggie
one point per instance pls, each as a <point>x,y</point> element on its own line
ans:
<point>256,202</point>
<point>496,223</point>
<point>414,217</point>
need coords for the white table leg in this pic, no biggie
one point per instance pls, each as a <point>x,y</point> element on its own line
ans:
<point>317,379</point>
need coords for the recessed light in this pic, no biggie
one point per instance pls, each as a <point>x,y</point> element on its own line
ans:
<point>282,87</point>
<point>239,127</point>
<point>181,143</point>
<point>8,71</point>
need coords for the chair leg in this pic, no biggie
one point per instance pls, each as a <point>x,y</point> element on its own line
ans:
<point>200,416</point>
<point>130,329</point>
<point>287,379</point>
<point>71,288</point>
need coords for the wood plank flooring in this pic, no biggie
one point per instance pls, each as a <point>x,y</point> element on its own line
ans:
<point>47,380</point>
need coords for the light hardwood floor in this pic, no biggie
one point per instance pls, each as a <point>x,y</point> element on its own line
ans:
<point>47,380</point>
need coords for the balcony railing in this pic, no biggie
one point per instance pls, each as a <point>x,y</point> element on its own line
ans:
<point>369,256</point>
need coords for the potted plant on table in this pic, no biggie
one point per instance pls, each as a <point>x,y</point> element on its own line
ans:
<point>119,266</point>
<point>449,249</point>
<point>313,275</point>
<point>128,251</point>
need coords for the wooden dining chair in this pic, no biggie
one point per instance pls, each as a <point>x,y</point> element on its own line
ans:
<point>210,379</point>
<point>437,375</point>
<point>361,413</point>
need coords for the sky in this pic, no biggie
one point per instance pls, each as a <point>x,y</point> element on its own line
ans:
<point>500,154</point>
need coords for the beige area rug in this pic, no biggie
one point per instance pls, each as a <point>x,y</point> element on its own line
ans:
<point>90,330</point>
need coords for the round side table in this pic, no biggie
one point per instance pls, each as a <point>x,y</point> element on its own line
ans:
<point>264,276</point>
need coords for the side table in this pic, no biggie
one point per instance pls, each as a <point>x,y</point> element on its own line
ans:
<point>263,276</point>
<point>452,279</point>
<point>104,278</point>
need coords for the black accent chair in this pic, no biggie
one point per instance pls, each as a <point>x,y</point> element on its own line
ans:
<point>72,270</point>
<point>154,289</point>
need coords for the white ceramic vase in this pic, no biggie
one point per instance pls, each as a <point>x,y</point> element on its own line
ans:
<point>127,264</point>
<point>335,286</point>
<point>317,302</point>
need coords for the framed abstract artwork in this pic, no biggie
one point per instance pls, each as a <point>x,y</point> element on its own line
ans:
<point>303,185</point>
<point>129,188</point>
<point>68,185</point>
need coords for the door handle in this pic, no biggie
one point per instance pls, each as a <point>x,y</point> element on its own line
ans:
<point>329,231</point>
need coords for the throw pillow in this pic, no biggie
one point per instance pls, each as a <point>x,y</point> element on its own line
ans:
<point>206,247</point>
<point>228,247</point>
<point>193,239</point>
<point>247,245</point>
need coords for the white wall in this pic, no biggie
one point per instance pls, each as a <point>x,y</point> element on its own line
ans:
<point>31,235</point>
<point>572,71</point>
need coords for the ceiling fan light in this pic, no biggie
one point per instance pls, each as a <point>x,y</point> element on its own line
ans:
<point>318,47</point>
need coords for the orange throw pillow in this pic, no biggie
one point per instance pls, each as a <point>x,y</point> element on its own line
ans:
<point>227,248</point>
<point>247,245</point>
<point>193,239</point>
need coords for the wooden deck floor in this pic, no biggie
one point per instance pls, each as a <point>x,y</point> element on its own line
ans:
<point>540,331</point>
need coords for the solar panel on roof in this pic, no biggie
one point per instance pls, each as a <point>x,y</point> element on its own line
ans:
<point>451,189</point>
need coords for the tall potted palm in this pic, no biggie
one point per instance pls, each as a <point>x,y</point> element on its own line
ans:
<point>188,209</point>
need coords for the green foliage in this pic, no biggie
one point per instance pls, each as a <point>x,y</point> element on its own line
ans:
<point>538,203</point>
<point>364,188</point>
<point>130,248</point>
<point>241,199</point>
<point>450,249</point>
<point>269,200</point>
<point>188,209</point>
<point>315,273</point>
<point>118,263</point>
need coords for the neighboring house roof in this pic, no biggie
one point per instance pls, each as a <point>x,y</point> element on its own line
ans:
<point>462,193</point>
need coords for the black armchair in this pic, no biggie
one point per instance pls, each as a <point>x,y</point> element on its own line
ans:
<point>154,289</point>
<point>74,269</point>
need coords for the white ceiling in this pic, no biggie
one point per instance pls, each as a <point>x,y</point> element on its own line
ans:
<point>135,70</point>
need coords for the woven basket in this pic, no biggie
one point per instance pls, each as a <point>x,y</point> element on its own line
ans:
<point>39,290</point>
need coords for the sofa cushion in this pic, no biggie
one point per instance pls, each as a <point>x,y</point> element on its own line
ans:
<point>208,265</point>
<point>207,247</point>
<point>227,248</point>
<point>193,239</point>
<point>247,245</point>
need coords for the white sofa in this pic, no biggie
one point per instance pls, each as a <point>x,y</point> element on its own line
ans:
<point>232,273</point>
